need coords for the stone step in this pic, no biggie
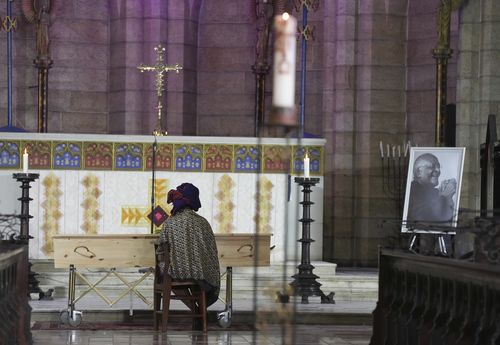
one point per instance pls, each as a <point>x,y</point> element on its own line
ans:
<point>343,290</point>
<point>245,282</point>
<point>112,291</point>
<point>269,280</point>
<point>321,268</point>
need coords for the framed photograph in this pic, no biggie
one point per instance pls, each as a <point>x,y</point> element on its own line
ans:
<point>433,189</point>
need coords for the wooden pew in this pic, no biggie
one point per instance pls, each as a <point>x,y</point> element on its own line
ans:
<point>14,306</point>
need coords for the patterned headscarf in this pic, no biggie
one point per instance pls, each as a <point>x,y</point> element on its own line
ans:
<point>186,195</point>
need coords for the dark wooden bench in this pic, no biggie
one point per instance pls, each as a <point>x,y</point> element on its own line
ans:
<point>15,311</point>
<point>436,300</point>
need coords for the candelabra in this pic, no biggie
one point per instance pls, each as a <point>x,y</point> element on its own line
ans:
<point>394,173</point>
<point>26,179</point>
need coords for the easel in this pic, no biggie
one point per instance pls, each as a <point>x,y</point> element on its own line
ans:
<point>443,250</point>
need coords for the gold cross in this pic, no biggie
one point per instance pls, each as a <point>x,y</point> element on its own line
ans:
<point>160,68</point>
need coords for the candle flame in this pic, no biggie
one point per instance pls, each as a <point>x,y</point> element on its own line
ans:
<point>306,156</point>
<point>285,16</point>
<point>25,151</point>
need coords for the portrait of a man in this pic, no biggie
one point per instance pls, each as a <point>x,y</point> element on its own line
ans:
<point>433,189</point>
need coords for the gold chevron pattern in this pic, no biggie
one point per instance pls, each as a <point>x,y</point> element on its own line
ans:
<point>225,215</point>
<point>51,206</point>
<point>161,191</point>
<point>265,206</point>
<point>137,216</point>
<point>90,204</point>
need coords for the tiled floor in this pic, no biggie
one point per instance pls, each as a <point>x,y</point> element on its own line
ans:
<point>300,335</point>
<point>345,322</point>
<point>90,302</point>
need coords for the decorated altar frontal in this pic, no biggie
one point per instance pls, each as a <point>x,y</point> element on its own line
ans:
<point>102,184</point>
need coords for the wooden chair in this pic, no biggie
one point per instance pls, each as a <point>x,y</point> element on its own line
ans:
<point>166,289</point>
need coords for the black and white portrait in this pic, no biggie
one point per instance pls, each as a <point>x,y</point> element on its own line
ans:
<point>433,189</point>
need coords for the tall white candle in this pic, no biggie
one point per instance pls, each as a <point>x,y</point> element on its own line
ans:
<point>285,27</point>
<point>306,166</point>
<point>25,161</point>
<point>381,150</point>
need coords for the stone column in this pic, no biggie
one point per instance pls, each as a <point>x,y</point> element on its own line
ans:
<point>478,95</point>
<point>182,47</point>
<point>368,101</point>
<point>478,87</point>
<point>225,81</point>
<point>126,99</point>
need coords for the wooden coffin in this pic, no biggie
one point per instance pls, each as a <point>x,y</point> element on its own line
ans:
<point>137,250</point>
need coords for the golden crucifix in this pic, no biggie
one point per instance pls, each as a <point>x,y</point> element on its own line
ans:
<point>160,68</point>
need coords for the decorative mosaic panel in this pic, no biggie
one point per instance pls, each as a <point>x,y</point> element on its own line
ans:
<point>263,198</point>
<point>188,157</point>
<point>9,155</point>
<point>226,206</point>
<point>218,157</point>
<point>90,205</point>
<point>128,156</point>
<point>52,210</point>
<point>39,154</point>
<point>97,156</point>
<point>163,156</point>
<point>315,154</point>
<point>243,158</point>
<point>247,158</point>
<point>276,159</point>
<point>67,155</point>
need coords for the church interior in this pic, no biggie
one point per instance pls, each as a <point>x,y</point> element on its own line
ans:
<point>345,153</point>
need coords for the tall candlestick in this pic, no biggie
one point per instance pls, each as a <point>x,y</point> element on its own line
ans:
<point>25,161</point>
<point>381,150</point>
<point>306,166</point>
<point>388,151</point>
<point>285,27</point>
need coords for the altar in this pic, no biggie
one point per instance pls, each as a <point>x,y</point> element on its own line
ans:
<point>102,185</point>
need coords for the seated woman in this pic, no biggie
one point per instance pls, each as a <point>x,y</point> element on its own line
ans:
<point>193,251</point>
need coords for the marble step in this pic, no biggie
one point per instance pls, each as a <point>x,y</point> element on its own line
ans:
<point>321,268</point>
<point>269,280</point>
<point>344,290</point>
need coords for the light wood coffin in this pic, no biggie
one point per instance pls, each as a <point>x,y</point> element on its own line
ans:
<point>137,250</point>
